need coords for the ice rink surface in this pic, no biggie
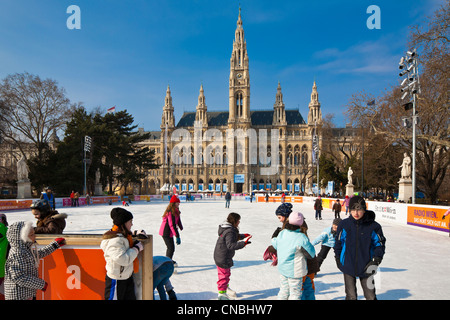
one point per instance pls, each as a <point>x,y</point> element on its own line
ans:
<point>415,266</point>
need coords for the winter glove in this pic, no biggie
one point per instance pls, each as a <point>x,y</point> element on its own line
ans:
<point>178,239</point>
<point>59,243</point>
<point>138,245</point>
<point>372,267</point>
<point>140,234</point>
<point>45,287</point>
<point>338,262</point>
<point>246,240</point>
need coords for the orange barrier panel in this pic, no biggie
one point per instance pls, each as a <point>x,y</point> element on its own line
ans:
<point>427,217</point>
<point>77,270</point>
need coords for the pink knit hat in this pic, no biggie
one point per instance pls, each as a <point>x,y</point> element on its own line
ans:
<point>296,219</point>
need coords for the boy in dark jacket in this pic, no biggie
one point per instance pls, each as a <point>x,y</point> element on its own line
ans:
<point>318,207</point>
<point>359,248</point>
<point>226,245</point>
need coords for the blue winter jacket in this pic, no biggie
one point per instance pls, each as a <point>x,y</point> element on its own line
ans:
<point>326,237</point>
<point>293,248</point>
<point>357,242</point>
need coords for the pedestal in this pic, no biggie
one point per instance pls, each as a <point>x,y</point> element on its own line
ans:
<point>23,189</point>
<point>98,189</point>
<point>405,190</point>
<point>349,190</point>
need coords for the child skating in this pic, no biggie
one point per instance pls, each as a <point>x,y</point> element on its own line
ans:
<point>226,245</point>
<point>282,213</point>
<point>327,238</point>
<point>171,222</point>
<point>293,248</point>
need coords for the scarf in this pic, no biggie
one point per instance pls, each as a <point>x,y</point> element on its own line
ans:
<point>130,242</point>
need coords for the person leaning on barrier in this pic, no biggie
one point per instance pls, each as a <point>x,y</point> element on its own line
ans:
<point>48,221</point>
<point>21,269</point>
<point>120,252</point>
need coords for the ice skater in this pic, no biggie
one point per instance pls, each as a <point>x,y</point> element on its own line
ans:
<point>171,222</point>
<point>309,289</point>
<point>227,243</point>
<point>318,207</point>
<point>282,213</point>
<point>327,238</point>
<point>346,202</point>
<point>227,199</point>
<point>120,252</point>
<point>48,221</point>
<point>359,248</point>
<point>337,209</point>
<point>293,248</point>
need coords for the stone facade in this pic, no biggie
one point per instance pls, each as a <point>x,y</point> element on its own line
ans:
<point>208,164</point>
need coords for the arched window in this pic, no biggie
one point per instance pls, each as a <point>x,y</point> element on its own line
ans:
<point>239,104</point>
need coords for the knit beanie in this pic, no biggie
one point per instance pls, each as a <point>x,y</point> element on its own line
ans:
<point>120,216</point>
<point>174,199</point>
<point>357,203</point>
<point>296,219</point>
<point>284,210</point>
<point>337,221</point>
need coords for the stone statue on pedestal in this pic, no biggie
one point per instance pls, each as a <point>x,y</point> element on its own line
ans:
<point>406,167</point>
<point>22,170</point>
<point>349,175</point>
<point>23,183</point>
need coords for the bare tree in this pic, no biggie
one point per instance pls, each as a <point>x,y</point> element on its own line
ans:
<point>432,132</point>
<point>31,109</point>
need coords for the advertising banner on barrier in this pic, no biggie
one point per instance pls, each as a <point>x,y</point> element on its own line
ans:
<point>428,217</point>
<point>15,204</point>
<point>391,211</point>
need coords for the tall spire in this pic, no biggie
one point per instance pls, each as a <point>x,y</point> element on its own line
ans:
<point>315,114</point>
<point>201,114</point>
<point>168,117</point>
<point>239,22</point>
<point>279,113</point>
<point>239,90</point>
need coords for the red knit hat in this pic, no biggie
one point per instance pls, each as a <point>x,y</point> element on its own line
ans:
<point>174,199</point>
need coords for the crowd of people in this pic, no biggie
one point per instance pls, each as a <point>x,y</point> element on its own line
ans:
<point>357,241</point>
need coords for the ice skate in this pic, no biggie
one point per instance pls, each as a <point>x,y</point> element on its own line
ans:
<point>231,293</point>
<point>223,296</point>
<point>175,267</point>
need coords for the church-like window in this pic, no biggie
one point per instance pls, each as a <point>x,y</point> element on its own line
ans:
<point>239,104</point>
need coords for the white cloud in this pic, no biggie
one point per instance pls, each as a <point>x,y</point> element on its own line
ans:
<point>369,56</point>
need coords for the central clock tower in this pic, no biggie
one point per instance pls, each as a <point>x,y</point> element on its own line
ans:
<point>239,91</point>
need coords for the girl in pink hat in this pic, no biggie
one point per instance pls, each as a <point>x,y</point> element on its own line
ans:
<point>293,248</point>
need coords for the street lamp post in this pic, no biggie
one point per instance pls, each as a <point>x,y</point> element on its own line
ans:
<point>410,87</point>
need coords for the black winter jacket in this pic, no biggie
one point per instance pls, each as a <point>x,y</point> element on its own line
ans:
<point>357,242</point>
<point>226,245</point>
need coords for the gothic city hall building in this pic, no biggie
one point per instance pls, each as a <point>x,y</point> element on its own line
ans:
<point>238,150</point>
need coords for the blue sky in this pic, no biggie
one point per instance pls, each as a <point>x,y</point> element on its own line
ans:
<point>127,52</point>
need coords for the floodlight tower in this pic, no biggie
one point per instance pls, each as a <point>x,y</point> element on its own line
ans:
<point>87,148</point>
<point>409,67</point>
